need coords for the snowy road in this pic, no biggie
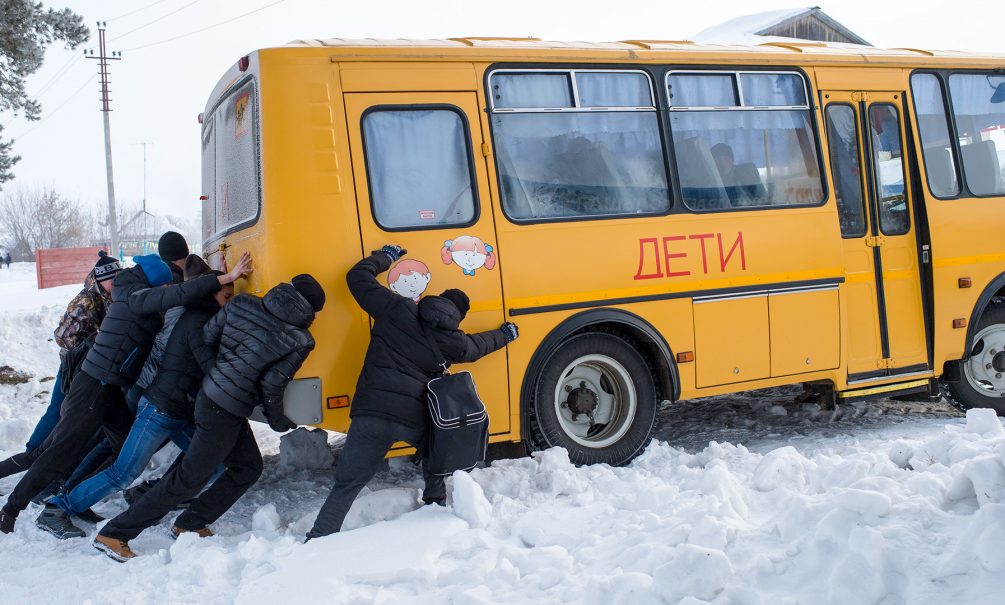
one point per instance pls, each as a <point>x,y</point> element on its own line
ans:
<point>882,502</point>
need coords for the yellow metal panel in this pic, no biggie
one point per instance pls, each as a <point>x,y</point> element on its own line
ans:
<point>731,340</point>
<point>805,331</point>
<point>394,77</point>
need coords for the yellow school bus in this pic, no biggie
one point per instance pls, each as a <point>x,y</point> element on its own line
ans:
<point>663,220</point>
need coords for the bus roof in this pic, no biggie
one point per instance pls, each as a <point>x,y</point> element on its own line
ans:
<point>498,48</point>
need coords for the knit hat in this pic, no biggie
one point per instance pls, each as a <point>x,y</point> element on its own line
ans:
<point>107,267</point>
<point>155,269</point>
<point>460,300</point>
<point>310,289</point>
<point>195,267</point>
<point>172,247</point>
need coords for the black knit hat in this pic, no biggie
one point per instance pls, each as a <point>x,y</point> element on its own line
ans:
<point>172,247</point>
<point>107,267</point>
<point>310,289</point>
<point>460,300</point>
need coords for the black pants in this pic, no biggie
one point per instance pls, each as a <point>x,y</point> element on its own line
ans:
<point>367,443</point>
<point>90,405</point>
<point>22,461</point>
<point>220,438</point>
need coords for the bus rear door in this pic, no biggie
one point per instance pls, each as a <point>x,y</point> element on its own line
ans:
<point>420,183</point>
<point>872,183</point>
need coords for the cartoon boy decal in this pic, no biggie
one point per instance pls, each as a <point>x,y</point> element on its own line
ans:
<point>469,253</point>
<point>409,278</point>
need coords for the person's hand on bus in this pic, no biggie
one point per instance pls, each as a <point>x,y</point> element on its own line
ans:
<point>281,424</point>
<point>510,331</point>
<point>393,252</point>
<point>241,269</point>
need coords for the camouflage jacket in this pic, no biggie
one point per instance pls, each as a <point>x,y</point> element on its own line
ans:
<point>83,316</point>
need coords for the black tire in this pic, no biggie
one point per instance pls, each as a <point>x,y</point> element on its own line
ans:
<point>546,429</point>
<point>963,393</point>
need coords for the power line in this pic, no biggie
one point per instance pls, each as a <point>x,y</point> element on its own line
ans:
<point>58,107</point>
<point>158,19</point>
<point>192,33</point>
<point>136,10</point>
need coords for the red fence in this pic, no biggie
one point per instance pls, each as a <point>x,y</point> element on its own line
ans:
<point>61,266</point>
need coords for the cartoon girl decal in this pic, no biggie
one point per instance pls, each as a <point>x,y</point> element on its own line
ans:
<point>409,278</point>
<point>469,253</point>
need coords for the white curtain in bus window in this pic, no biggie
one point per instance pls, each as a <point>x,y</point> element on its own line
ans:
<point>418,168</point>
<point>598,89</point>
<point>533,90</point>
<point>933,126</point>
<point>237,177</point>
<point>842,140</point>
<point>703,90</point>
<point>888,163</point>
<point>208,179</point>
<point>979,110</point>
<point>774,90</point>
<point>580,162</point>
<point>745,158</point>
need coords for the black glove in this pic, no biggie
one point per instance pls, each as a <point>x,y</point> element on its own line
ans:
<point>510,331</point>
<point>281,423</point>
<point>393,252</point>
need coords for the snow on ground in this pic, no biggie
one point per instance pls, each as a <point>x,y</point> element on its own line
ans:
<point>743,499</point>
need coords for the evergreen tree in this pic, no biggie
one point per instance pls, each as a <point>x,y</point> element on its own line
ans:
<point>26,28</point>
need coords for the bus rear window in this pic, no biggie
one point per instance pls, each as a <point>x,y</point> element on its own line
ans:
<point>231,181</point>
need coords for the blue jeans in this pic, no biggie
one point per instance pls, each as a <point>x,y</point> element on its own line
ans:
<point>149,431</point>
<point>48,420</point>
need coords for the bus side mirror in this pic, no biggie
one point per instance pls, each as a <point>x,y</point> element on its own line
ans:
<point>999,94</point>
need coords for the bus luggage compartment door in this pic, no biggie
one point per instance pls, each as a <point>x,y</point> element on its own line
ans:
<point>731,339</point>
<point>805,333</point>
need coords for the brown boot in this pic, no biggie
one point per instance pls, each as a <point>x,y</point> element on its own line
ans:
<point>114,548</point>
<point>202,532</point>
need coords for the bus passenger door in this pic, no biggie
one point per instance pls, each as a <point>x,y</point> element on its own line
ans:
<point>421,184</point>
<point>872,184</point>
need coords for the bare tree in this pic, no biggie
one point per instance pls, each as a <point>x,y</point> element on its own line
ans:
<point>41,218</point>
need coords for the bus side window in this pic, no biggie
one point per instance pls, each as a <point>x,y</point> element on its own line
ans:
<point>933,126</point>
<point>743,140</point>
<point>418,162</point>
<point>843,145</point>
<point>979,111</point>
<point>884,129</point>
<point>558,157</point>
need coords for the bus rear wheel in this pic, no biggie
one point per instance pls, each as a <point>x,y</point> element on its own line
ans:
<point>596,398</point>
<point>982,373</point>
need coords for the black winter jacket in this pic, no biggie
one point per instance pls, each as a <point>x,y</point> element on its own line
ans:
<point>261,343</point>
<point>400,360</point>
<point>149,371</point>
<point>133,320</point>
<point>185,360</point>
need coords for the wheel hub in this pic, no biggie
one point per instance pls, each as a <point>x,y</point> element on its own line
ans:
<point>998,362</point>
<point>582,400</point>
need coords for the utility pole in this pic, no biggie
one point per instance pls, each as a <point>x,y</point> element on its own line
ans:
<point>103,58</point>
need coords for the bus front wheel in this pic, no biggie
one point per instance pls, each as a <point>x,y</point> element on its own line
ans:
<point>982,373</point>
<point>596,398</point>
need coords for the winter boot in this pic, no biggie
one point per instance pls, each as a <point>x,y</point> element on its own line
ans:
<point>203,532</point>
<point>57,522</point>
<point>89,516</point>
<point>116,549</point>
<point>134,493</point>
<point>7,521</point>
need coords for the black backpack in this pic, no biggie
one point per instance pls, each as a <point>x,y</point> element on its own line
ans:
<point>458,423</point>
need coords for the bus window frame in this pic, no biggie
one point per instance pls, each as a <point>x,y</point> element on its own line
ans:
<point>472,175</point>
<point>863,187</point>
<point>257,138</point>
<point>651,72</point>
<point>810,107</point>
<point>951,129</point>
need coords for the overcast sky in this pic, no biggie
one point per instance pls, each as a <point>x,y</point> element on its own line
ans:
<point>158,91</point>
